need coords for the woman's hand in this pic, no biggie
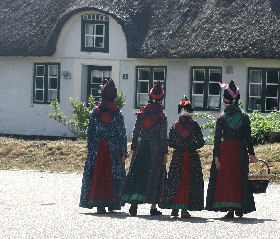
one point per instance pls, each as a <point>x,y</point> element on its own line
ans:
<point>218,165</point>
<point>165,159</point>
<point>253,159</point>
<point>123,159</point>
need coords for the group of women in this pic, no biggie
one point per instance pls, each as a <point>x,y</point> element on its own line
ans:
<point>106,185</point>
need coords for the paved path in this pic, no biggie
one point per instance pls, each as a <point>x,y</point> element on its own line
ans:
<point>45,205</point>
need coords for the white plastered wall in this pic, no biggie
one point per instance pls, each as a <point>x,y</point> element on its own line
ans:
<point>18,114</point>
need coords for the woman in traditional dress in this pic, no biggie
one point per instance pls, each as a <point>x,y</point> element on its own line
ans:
<point>184,188</point>
<point>144,182</point>
<point>228,184</point>
<point>104,171</point>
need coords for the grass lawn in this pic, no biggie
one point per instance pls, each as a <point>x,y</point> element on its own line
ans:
<point>69,156</point>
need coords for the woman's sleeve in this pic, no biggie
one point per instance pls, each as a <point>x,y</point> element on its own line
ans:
<point>173,141</point>
<point>217,138</point>
<point>163,136</point>
<point>122,135</point>
<point>197,141</point>
<point>248,136</point>
<point>91,127</point>
<point>135,134</point>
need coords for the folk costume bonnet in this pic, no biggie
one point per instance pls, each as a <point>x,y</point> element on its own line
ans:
<point>107,109</point>
<point>151,114</point>
<point>232,113</point>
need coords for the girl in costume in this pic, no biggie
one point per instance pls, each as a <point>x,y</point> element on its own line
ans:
<point>144,182</point>
<point>228,184</point>
<point>104,171</point>
<point>184,188</point>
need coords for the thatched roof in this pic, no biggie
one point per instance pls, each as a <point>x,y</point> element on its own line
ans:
<point>153,28</point>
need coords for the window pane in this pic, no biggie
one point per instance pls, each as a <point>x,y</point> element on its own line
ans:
<point>100,30</point>
<point>143,87</point>
<point>142,99</point>
<point>197,101</point>
<point>96,73</point>
<point>198,88</point>
<point>96,77</point>
<point>158,74</point>
<point>53,83</point>
<point>52,95</point>
<point>144,74</point>
<point>214,89</point>
<point>96,91</point>
<point>254,104</point>
<point>271,91</point>
<point>255,90</point>
<point>89,29</point>
<point>53,70</point>
<point>39,83</point>
<point>39,95</point>
<point>271,104</point>
<point>40,70</point>
<point>255,76</point>
<point>89,41</point>
<point>272,76</point>
<point>99,42</point>
<point>213,102</point>
<point>215,75</point>
<point>107,74</point>
<point>199,75</point>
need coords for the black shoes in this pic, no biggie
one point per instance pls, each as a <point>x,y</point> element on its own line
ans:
<point>239,213</point>
<point>155,212</point>
<point>175,213</point>
<point>101,210</point>
<point>229,215</point>
<point>133,210</point>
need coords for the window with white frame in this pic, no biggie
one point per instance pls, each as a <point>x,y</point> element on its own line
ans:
<point>96,74</point>
<point>95,33</point>
<point>205,90</point>
<point>146,76</point>
<point>263,89</point>
<point>46,82</point>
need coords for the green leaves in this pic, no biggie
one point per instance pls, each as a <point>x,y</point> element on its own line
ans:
<point>261,125</point>
<point>80,116</point>
<point>210,124</point>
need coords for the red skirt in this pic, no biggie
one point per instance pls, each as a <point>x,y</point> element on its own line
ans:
<point>101,192</point>
<point>180,201</point>
<point>228,181</point>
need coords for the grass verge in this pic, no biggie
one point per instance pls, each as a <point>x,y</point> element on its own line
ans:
<point>69,156</point>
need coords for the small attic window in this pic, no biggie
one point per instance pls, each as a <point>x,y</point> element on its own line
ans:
<point>95,33</point>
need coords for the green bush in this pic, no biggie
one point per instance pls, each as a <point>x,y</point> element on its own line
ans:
<point>80,116</point>
<point>261,125</point>
<point>79,122</point>
<point>210,124</point>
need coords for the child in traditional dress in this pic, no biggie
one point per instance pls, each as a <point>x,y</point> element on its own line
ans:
<point>228,184</point>
<point>144,182</point>
<point>184,187</point>
<point>104,171</point>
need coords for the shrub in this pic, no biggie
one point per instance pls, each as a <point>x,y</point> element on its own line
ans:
<point>80,116</point>
<point>261,125</point>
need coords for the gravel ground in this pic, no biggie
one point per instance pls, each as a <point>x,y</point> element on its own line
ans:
<point>45,205</point>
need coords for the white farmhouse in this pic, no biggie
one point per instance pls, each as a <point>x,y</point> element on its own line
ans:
<point>52,49</point>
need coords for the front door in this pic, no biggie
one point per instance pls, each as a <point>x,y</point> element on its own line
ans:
<point>95,76</point>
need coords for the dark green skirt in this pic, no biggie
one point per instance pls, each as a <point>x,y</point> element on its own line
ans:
<point>135,187</point>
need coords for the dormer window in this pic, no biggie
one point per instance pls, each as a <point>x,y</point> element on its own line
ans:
<point>95,33</point>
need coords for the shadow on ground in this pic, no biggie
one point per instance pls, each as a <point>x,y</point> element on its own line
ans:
<point>244,220</point>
